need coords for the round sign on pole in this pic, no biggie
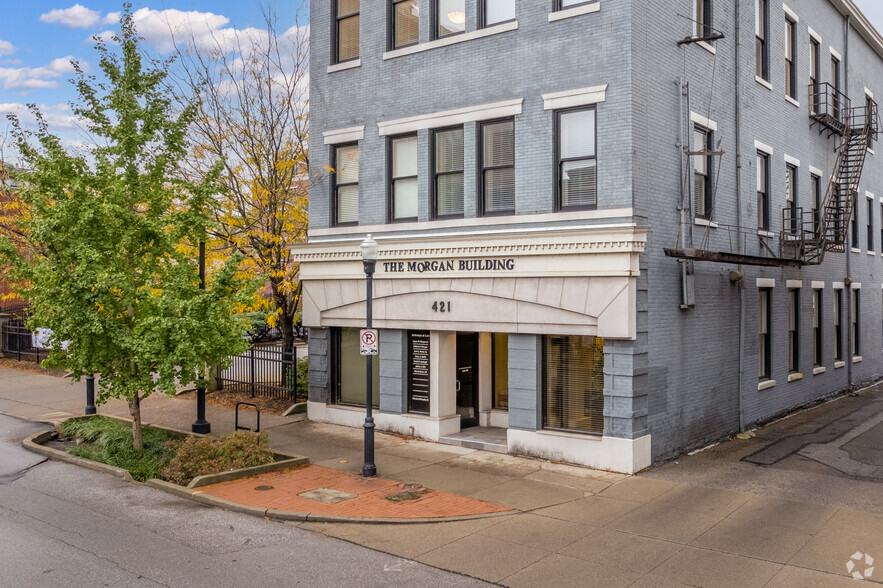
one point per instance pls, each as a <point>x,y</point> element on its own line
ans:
<point>368,342</point>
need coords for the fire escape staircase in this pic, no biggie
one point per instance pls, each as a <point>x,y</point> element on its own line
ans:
<point>807,236</point>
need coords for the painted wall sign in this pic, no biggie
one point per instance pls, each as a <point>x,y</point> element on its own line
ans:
<point>418,372</point>
<point>449,265</point>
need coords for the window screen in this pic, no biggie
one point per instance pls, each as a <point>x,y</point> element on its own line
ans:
<point>449,172</point>
<point>498,166</point>
<point>346,180</point>
<point>404,177</point>
<point>576,152</point>
<point>406,22</point>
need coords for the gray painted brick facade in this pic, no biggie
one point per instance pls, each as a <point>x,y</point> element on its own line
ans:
<point>683,379</point>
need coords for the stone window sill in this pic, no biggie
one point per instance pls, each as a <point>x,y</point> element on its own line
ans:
<point>763,82</point>
<point>345,65</point>
<point>766,384</point>
<point>795,376</point>
<point>818,370</point>
<point>453,40</point>
<point>575,11</point>
<point>839,364</point>
<point>857,359</point>
<point>792,101</point>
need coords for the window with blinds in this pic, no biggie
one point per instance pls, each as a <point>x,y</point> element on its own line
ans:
<point>498,166</point>
<point>817,328</point>
<point>351,370</point>
<point>346,184</point>
<point>764,351</point>
<point>448,172</point>
<point>406,23</point>
<point>574,383</point>
<point>701,173</point>
<point>450,17</point>
<point>577,171</point>
<point>497,11</point>
<point>404,177</point>
<point>347,15</point>
<point>856,323</point>
<point>838,327</point>
<point>763,198</point>
<point>791,199</point>
<point>794,330</point>
<point>790,55</point>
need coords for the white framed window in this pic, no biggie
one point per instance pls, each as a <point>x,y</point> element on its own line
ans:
<point>345,182</point>
<point>403,177</point>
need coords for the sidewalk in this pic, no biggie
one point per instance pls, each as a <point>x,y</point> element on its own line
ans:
<point>569,526</point>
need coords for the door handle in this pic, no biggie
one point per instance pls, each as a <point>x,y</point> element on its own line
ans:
<point>457,387</point>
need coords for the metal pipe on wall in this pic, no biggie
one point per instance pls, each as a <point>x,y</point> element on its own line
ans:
<point>739,240</point>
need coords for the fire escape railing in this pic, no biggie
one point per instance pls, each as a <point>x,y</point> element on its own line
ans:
<point>807,236</point>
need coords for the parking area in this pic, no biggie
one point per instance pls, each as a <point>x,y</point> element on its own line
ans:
<point>829,454</point>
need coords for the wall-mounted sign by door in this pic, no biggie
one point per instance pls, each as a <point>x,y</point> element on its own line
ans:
<point>418,372</point>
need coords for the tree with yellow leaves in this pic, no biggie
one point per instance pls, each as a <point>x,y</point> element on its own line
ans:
<point>253,114</point>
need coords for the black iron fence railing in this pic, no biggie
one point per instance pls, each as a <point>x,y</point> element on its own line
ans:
<point>262,371</point>
<point>17,342</point>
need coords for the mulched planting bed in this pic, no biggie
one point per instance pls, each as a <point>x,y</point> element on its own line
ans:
<point>28,366</point>
<point>228,399</point>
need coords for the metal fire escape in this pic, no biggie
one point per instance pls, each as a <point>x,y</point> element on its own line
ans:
<point>807,236</point>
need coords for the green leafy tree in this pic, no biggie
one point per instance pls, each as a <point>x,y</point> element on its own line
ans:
<point>109,235</point>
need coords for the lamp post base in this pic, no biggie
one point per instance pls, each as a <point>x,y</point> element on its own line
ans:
<point>369,469</point>
<point>201,426</point>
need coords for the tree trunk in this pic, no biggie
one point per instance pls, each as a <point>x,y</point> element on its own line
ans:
<point>135,411</point>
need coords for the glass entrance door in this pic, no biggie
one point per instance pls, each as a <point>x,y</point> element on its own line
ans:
<point>467,379</point>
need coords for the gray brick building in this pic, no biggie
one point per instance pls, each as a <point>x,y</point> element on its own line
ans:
<point>609,231</point>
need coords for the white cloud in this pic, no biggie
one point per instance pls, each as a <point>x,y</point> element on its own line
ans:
<point>6,48</point>
<point>57,115</point>
<point>75,17</point>
<point>111,18</point>
<point>29,78</point>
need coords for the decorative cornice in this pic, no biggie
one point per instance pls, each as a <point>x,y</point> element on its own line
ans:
<point>599,241</point>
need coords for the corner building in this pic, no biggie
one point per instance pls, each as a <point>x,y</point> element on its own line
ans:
<point>608,233</point>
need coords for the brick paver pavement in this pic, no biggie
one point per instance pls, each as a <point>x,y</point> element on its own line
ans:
<point>282,489</point>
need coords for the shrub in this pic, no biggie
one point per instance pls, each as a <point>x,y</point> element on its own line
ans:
<point>196,456</point>
<point>110,442</point>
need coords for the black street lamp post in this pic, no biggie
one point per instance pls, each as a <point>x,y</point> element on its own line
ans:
<point>201,425</point>
<point>369,260</point>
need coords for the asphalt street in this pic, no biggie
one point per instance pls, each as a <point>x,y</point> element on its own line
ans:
<point>61,525</point>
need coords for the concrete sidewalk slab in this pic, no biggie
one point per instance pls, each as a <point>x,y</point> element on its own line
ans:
<point>622,550</point>
<point>540,532</point>
<point>703,567</point>
<point>561,571</point>
<point>483,557</point>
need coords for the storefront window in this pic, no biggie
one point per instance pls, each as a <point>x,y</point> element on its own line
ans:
<point>574,383</point>
<point>501,371</point>
<point>350,370</point>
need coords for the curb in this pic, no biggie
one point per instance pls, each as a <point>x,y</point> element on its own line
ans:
<point>289,461</point>
<point>35,443</point>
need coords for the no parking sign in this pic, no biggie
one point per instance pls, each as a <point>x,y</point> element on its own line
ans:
<point>368,342</point>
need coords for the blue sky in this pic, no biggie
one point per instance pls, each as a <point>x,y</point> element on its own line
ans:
<point>39,37</point>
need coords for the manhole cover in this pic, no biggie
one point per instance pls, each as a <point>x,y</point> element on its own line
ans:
<point>328,495</point>
<point>263,488</point>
